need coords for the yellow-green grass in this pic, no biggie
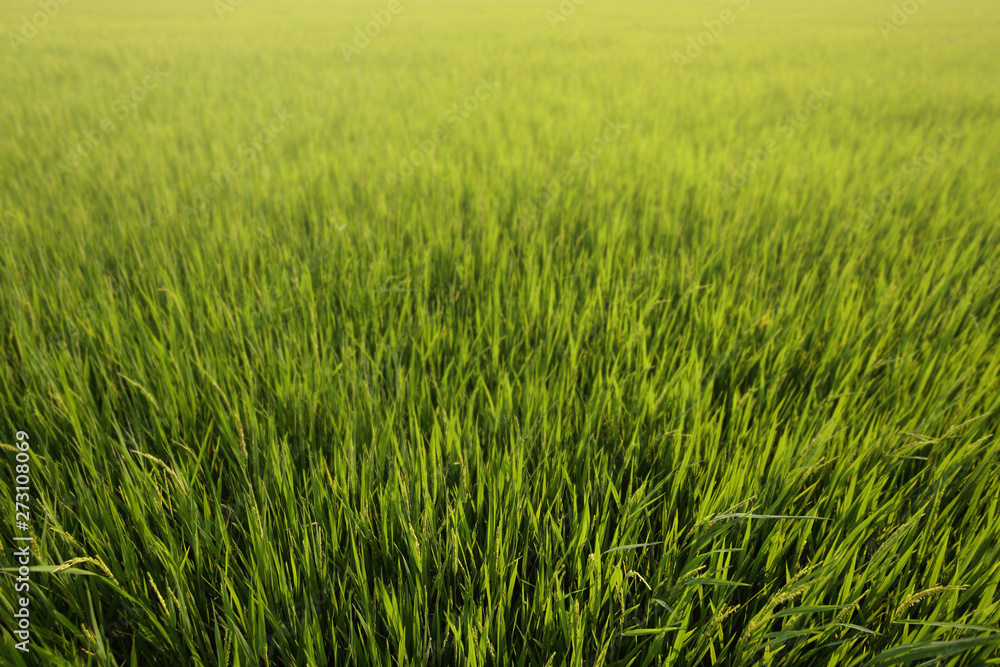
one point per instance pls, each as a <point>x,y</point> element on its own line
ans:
<point>659,413</point>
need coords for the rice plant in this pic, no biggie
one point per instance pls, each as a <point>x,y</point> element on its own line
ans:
<point>501,333</point>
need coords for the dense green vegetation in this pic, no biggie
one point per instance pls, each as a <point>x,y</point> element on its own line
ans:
<point>500,338</point>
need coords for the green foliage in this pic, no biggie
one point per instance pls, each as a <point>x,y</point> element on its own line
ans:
<point>543,400</point>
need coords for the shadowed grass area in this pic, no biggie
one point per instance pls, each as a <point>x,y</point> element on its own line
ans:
<point>512,341</point>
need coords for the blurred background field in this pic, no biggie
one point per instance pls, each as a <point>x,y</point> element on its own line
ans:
<point>540,400</point>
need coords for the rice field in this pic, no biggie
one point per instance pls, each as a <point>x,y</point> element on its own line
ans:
<point>423,332</point>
